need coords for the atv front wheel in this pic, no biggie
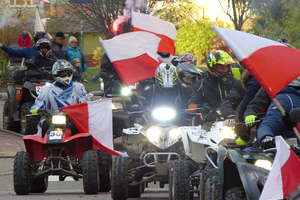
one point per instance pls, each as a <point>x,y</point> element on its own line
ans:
<point>39,185</point>
<point>27,126</point>
<point>119,179</point>
<point>90,172</point>
<point>179,180</point>
<point>22,174</point>
<point>213,187</point>
<point>236,193</point>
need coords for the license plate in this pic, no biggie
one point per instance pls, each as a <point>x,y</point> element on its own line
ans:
<point>55,135</point>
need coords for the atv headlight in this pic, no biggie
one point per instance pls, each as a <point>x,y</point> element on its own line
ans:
<point>153,134</point>
<point>164,114</point>
<point>227,132</point>
<point>175,134</point>
<point>59,120</point>
<point>266,164</point>
<point>126,91</point>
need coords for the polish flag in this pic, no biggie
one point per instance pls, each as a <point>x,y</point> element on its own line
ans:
<point>273,64</point>
<point>284,177</point>
<point>133,55</point>
<point>165,30</point>
<point>95,118</point>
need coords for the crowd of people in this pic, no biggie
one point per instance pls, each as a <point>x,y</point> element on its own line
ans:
<point>217,92</point>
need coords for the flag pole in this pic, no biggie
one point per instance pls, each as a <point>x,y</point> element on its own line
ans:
<point>283,112</point>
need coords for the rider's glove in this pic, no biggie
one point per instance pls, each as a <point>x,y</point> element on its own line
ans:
<point>34,111</point>
<point>250,119</point>
<point>267,142</point>
<point>241,142</point>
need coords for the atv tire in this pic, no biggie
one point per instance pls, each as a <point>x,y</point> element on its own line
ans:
<point>213,187</point>
<point>8,123</point>
<point>27,125</point>
<point>104,171</point>
<point>179,180</point>
<point>119,179</point>
<point>202,179</point>
<point>39,185</point>
<point>236,193</point>
<point>90,172</point>
<point>22,173</point>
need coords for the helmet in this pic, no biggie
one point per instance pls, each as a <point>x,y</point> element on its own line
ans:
<point>40,35</point>
<point>219,62</point>
<point>166,75</point>
<point>187,73</point>
<point>62,71</point>
<point>43,43</point>
<point>184,58</point>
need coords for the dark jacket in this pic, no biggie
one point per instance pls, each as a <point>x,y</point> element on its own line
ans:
<point>233,100</point>
<point>25,52</point>
<point>274,123</point>
<point>259,105</point>
<point>58,50</point>
<point>42,63</point>
<point>211,92</point>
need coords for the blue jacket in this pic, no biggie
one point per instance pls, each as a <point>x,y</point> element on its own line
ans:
<point>274,124</point>
<point>25,52</point>
<point>73,53</point>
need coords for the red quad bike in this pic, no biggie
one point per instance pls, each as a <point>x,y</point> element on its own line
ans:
<point>62,151</point>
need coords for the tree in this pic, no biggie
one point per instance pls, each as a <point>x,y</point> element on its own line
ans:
<point>196,38</point>
<point>237,10</point>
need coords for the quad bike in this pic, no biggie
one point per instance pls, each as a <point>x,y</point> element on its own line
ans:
<point>197,142</point>
<point>239,172</point>
<point>22,92</point>
<point>151,147</point>
<point>59,149</point>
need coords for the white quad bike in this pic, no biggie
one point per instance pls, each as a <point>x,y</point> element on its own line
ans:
<point>198,142</point>
<point>150,147</point>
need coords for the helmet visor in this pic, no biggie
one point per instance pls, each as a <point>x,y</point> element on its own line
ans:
<point>222,68</point>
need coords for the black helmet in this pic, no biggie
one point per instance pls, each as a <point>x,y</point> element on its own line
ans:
<point>188,73</point>
<point>40,35</point>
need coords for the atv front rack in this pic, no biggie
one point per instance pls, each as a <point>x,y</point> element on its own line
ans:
<point>159,157</point>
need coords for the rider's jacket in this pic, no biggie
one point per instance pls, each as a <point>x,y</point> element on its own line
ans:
<point>55,95</point>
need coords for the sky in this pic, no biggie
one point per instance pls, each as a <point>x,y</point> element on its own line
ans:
<point>212,9</point>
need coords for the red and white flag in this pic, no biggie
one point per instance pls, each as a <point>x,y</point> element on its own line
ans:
<point>273,64</point>
<point>95,118</point>
<point>284,177</point>
<point>133,55</point>
<point>165,30</point>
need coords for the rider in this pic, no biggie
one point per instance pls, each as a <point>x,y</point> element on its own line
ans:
<point>215,84</point>
<point>62,92</point>
<point>27,53</point>
<point>274,123</point>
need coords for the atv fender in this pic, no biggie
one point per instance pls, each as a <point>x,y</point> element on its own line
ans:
<point>236,171</point>
<point>36,146</point>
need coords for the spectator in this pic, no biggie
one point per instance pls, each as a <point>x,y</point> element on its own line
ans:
<point>57,46</point>
<point>24,40</point>
<point>73,53</point>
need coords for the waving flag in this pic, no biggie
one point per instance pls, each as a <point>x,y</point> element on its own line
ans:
<point>165,30</point>
<point>38,24</point>
<point>272,63</point>
<point>134,55</point>
<point>284,177</point>
<point>95,118</point>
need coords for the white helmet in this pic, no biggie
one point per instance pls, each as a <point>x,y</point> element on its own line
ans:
<point>166,75</point>
<point>296,82</point>
<point>62,71</point>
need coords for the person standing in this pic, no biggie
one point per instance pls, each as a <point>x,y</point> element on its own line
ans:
<point>24,40</point>
<point>74,54</point>
<point>57,46</point>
